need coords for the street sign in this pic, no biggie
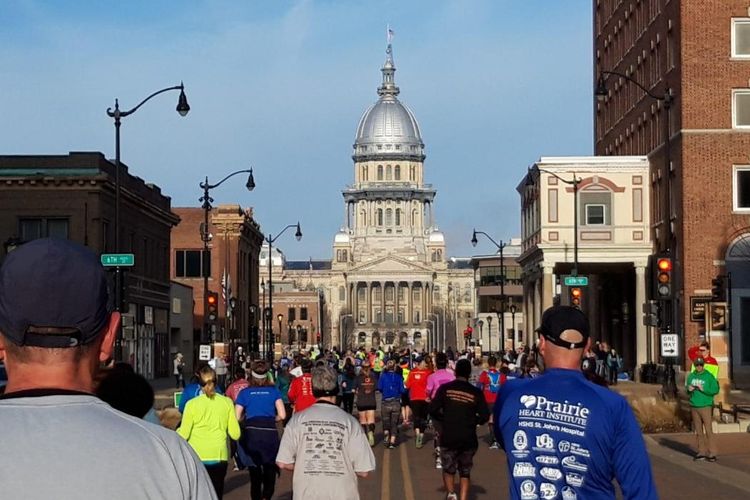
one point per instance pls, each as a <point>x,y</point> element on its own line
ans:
<point>576,280</point>
<point>669,345</point>
<point>118,259</point>
<point>204,354</point>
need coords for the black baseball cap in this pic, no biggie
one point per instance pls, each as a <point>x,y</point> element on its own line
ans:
<point>699,361</point>
<point>53,293</point>
<point>557,320</point>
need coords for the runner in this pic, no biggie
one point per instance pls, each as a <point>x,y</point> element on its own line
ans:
<point>460,407</point>
<point>391,386</point>
<point>442,376</point>
<point>300,390</point>
<point>404,369</point>
<point>417,386</point>
<point>366,404</point>
<point>490,381</point>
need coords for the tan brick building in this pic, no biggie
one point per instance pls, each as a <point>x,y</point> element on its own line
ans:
<point>233,252</point>
<point>701,51</point>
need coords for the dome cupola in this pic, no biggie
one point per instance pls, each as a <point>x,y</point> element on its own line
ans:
<point>388,128</point>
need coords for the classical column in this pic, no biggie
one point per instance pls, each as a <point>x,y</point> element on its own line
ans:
<point>641,334</point>
<point>382,301</point>
<point>548,285</point>
<point>410,304</point>
<point>368,299</point>
<point>355,303</point>
<point>395,303</point>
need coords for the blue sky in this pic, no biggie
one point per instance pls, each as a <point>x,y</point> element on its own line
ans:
<point>280,86</point>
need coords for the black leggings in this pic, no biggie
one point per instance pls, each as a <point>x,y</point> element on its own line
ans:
<point>262,481</point>
<point>348,401</point>
<point>419,409</point>
<point>217,472</point>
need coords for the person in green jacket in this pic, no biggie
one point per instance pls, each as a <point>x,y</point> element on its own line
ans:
<point>702,387</point>
<point>207,421</point>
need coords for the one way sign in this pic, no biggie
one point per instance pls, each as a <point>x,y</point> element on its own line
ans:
<point>669,345</point>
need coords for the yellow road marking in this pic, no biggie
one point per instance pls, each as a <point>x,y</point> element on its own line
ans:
<point>385,487</point>
<point>408,488</point>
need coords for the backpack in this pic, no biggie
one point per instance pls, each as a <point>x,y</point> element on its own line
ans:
<point>494,382</point>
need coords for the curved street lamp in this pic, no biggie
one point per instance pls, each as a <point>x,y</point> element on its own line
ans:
<point>182,108</point>
<point>206,201</point>
<point>500,246</point>
<point>270,240</point>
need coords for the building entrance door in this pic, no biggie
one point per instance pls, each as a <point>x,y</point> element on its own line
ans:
<point>738,264</point>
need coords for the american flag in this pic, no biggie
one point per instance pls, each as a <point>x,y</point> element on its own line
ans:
<point>226,286</point>
<point>389,33</point>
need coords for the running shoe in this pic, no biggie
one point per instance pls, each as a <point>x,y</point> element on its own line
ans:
<point>698,458</point>
<point>391,446</point>
<point>438,463</point>
<point>371,438</point>
<point>451,496</point>
<point>711,459</point>
<point>495,445</point>
<point>419,441</point>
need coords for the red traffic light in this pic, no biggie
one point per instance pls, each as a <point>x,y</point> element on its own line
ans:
<point>575,296</point>
<point>213,306</point>
<point>212,299</point>
<point>664,264</point>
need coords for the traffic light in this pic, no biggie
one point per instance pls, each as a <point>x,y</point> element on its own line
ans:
<point>213,306</point>
<point>663,280</point>
<point>576,294</point>
<point>651,313</point>
<point>718,292</point>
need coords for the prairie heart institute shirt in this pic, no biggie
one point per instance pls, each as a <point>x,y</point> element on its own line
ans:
<point>567,438</point>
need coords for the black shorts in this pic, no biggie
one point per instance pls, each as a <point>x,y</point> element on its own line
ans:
<point>460,461</point>
<point>365,408</point>
<point>405,399</point>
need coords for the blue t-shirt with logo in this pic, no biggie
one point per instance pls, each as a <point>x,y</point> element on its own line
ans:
<point>565,437</point>
<point>259,401</point>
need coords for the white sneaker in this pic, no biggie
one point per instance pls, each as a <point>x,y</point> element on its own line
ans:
<point>438,463</point>
<point>451,496</point>
<point>495,445</point>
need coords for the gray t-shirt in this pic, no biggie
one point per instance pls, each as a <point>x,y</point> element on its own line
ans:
<point>327,447</point>
<point>77,446</point>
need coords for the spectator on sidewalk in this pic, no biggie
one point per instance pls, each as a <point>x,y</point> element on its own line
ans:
<point>208,419</point>
<point>178,364</point>
<point>703,350</point>
<point>460,407</point>
<point>58,439</point>
<point>325,426</point>
<point>702,387</point>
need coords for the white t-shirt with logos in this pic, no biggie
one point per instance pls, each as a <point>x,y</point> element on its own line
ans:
<point>327,447</point>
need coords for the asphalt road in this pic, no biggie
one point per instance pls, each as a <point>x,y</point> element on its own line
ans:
<point>409,474</point>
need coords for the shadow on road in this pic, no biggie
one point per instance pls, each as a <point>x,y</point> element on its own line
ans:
<point>676,446</point>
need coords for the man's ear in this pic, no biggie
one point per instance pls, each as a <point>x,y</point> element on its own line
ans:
<point>108,341</point>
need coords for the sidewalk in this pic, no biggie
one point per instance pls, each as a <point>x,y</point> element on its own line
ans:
<point>163,392</point>
<point>731,468</point>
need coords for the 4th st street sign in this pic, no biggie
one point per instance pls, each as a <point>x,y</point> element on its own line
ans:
<point>118,259</point>
<point>576,280</point>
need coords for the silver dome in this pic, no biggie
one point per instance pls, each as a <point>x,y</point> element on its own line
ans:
<point>388,128</point>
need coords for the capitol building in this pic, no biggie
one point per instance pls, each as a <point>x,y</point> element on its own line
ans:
<point>388,281</point>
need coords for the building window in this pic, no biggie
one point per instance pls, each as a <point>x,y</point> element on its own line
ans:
<point>291,314</point>
<point>378,315</point>
<point>188,263</point>
<point>388,173</point>
<point>397,173</point>
<point>380,216</point>
<point>303,314</point>
<point>594,215</point>
<point>398,216</point>
<point>342,255</point>
<point>342,294</point>
<point>741,38</point>
<point>741,188</point>
<point>380,172</point>
<point>741,108</point>
<point>389,217</point>
<point>389,337</point>
<point>40,227</point>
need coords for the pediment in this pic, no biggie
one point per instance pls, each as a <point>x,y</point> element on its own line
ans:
<point>390,264</point>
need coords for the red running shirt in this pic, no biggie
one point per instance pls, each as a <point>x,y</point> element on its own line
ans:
<point>417,384</point>
<point>484,381</point>
<point>300,392</point>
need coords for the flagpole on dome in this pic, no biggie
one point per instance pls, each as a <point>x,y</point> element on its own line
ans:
<point>388,87</point>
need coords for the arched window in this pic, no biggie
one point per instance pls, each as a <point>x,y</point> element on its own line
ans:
<point>388,173</point>
<point>380,172</point>
<point>389,217</point>
<point>362,338</point>
<point>397,173</point>
<point>398,216</point>
<point>364,173</point>
<point>389,337</point>
<point>380,216</point>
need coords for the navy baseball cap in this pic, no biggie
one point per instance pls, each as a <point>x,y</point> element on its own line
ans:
<point>558,320</point>
<point>53,293</point>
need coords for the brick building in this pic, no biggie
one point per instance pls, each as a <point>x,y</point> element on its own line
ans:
<point>232,259</point>
<point>297,316</point>
<point>73,196</point>
<point>701,51</point>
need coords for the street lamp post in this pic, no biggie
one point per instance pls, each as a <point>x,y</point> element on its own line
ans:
<point>430,337</point>
<point>206,201</point>
<point>182,108</point>
<point>489,331</point>
<point>299,338</point>
<point>263,314</point>
<point>481,335</point>
<point>666,244</point>
<point>575,182</point>
<point>513,320</point>
<point>500,246</point>
<point>270,240</point>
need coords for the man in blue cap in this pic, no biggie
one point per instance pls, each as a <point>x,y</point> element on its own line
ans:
<point>58,439</point>
<point>565,437</point>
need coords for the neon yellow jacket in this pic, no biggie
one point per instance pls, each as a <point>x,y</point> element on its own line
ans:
<point>205,425</point>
